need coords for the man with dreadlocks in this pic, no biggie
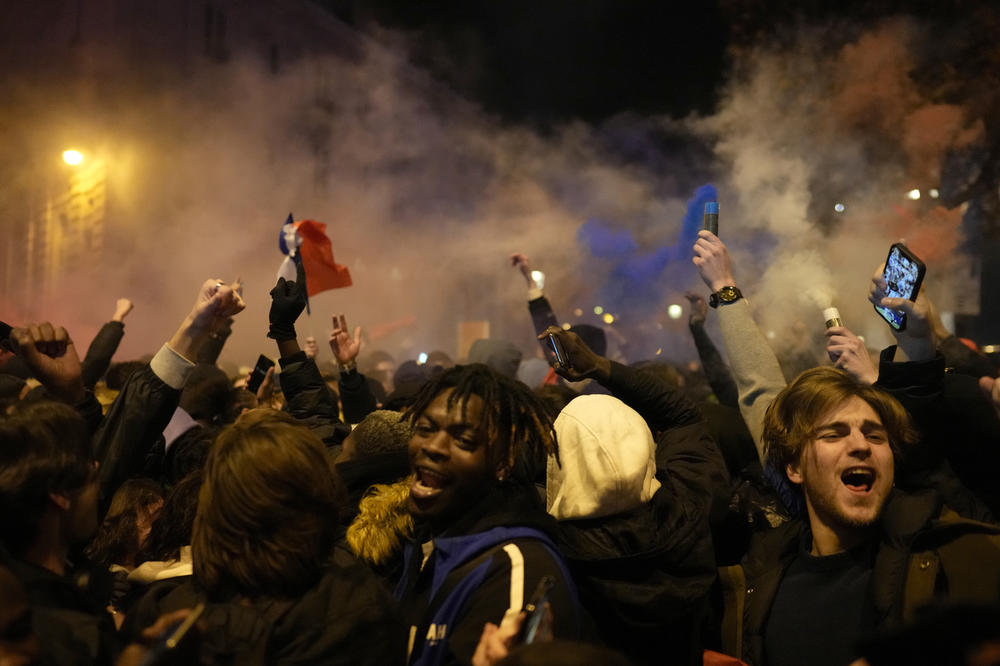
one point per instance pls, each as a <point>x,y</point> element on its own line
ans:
<point>481,540</point>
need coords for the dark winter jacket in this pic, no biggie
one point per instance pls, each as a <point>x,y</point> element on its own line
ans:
<point>924,552</point>
<point>644,575</point>
<point>479,570</point>
<point>99,353</point>
<point>69,618</point>
<point>361,474</point>
<point>356,396</point>
<point>959,451</point>
<point>347,618</point>
<point>686,457</point>
<point>310,400</point>
<point>132,429</point>
<point>715,368</point>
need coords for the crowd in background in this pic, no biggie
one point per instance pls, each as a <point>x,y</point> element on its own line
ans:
<point>563,508</point>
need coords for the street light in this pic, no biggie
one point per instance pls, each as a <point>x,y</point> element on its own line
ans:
<point>72,157</point>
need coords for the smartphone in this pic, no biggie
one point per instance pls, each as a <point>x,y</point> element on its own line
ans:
<point>710,221</point>
<point>903,274</point>
<point>535,609</point>
<point>557,351</point>
<point>172,638</point>
<point>259,372</point>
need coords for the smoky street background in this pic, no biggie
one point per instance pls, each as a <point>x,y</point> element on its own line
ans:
<point>818,135</point>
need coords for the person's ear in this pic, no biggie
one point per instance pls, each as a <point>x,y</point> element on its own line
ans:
<point>793,471</point>
<point>61,501</point>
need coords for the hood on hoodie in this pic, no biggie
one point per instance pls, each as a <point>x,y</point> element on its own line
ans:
<point>608,460</point>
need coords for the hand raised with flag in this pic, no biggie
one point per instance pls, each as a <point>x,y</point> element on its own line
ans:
<point>288,300</point>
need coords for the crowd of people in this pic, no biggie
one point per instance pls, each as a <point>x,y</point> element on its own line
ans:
<point>502,510</point>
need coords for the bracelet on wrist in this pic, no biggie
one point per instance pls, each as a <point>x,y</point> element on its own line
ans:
<point>350,366</point>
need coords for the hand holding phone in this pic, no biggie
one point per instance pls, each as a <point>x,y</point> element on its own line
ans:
<point>259,373</point>
<point>571,358</point>
<point>535,610</point>
<point>559,358</point>
<point>901,278</point>
<point>167,649</point>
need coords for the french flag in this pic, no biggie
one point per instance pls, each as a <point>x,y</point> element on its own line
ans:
<point>306,241</point>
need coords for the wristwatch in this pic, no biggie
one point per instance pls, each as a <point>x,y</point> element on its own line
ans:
<point>725,296</point>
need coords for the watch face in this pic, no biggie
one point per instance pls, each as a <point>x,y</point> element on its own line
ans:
<point>727,294</point>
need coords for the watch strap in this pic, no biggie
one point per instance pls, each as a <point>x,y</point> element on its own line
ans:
<point>717,298</point>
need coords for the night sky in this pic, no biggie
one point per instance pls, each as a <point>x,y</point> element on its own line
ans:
<point>548,62</point>
<point>544,62</point>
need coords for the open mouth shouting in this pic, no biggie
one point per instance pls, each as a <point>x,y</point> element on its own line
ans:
<point>859,479</point>
<point>427,483</point>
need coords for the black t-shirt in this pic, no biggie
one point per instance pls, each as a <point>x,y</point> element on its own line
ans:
<point>821,609</point>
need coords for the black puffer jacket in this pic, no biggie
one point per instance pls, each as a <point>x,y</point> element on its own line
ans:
<point>644,575</point>
<point>310,400</point>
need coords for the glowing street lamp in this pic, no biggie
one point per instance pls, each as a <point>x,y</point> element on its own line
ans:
<point>72,157</point>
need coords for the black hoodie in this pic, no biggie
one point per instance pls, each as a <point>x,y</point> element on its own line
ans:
<point>483,570</point>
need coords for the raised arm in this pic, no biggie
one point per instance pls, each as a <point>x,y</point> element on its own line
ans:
<point>753,363</point>
<point>715,368</point>
<point>955,420</point>
<point>51,355</point>
<point>136,419</point>
<point>307,397</point>
<point>356,397</point>
<point>542,315</point>
<point>104,344</point>
<point>685,452</point>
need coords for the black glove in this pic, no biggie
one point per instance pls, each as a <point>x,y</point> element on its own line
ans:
<point>288,299</point>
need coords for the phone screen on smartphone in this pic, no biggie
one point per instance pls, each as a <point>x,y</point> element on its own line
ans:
<point>535,609</point>
<point>903,274</point>
<point>557,351</point>
<point>259,373</point>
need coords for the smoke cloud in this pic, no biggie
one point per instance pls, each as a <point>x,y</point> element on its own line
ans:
<point>426,195</point>
<point>824,143</point>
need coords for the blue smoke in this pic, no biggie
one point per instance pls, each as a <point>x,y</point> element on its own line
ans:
<point>634,279</point>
